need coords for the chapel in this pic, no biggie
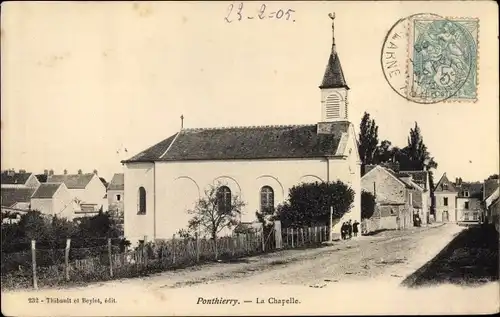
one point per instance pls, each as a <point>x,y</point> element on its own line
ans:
<point>258,163</point>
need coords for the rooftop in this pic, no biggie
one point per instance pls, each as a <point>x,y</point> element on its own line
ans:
<point>255,142</point>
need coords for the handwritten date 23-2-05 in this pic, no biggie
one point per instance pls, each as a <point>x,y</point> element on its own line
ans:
<point>237,13</point>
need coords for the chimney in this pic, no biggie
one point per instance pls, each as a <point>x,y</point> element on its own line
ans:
<point>65,172</point>
<point>95,172</point>
<point>45,172</point>
<point>460,180</point>
<point>457,181</point>
<point>51,172</point>
<point>22,171</point>
<point>374,190</point>
<point>79,172</point>
<point>11,172</point>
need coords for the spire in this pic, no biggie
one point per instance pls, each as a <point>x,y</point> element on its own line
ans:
<point>182,121</point>
<point>334,76</point>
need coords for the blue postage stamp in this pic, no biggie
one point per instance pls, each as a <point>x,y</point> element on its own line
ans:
<point>443,59</point>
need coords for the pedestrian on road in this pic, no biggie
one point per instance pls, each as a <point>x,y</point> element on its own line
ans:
<point>349,228</point>
<point>343,231</point>
<point>355,228</point>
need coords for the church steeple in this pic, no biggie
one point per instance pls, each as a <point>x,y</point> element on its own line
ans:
<point>334,76</point>
<point>334,87</point>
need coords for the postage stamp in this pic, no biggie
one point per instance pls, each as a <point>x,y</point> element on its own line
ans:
<point>427,58</point>
<point>442,62</point>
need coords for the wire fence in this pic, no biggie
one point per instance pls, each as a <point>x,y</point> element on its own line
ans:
<point>39,267</point>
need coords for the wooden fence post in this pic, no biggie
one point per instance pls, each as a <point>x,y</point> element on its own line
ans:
<point>309,234</point>
<point>173,248</point>
<point>197,247</point>
<point>110,258</point>
<point>33,259</point>
<point>144,251</point>
<point>66,258</point>
<point>263,240</point>
<point>315,234</point>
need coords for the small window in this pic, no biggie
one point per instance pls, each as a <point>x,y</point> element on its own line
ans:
<point>118,197</point>
<point>445,201</point>
<point>466,216</point>
<point>475,216</point>
<point>266,198</point>
<point>141,202</point>
<point>393,212</point>
<point>466,194</point>
<point>445,186</point>
<point>224,199</point>
<point>466,205</point>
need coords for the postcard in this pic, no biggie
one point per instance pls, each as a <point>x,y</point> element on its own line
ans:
<point>249,158</point>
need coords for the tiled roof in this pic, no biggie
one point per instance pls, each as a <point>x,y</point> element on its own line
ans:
<point>475,190</point>
<point>444,184</point>
<point>14,178</point>
<point>46,190</point>
<point>117,182</point>
<point>490,185</point>
<point>72,181</point>
<point>334,76</point>
<point>10,196</point>
<point>42,178</point>
<point>292,141</point>
<point>419,177</point>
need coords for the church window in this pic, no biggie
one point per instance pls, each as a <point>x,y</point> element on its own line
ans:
<point>266,198</point>
<point>141,203</point>
<point>333,106</point>
<point>224,199</point>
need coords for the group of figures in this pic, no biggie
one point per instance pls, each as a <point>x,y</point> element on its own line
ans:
<point>348,229</point>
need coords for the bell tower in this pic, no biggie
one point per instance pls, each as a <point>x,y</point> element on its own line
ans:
<point>334,103</point>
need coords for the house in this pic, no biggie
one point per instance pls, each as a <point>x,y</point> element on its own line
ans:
<point>469,201</point>
<point>12,179</point>
<point>86,188</point>
<point>258,163</point>
<point>491,194</point>
<point>17,197</point>
<point>115,192</point>
<point>54,199</point>
<point>445,195</point>
<point>394,197</point>
<point>422,179</point>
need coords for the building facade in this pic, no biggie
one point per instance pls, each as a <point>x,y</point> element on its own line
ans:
<point>86,188</point>
<point>445,195</point>
<point>259,164</point>
<point>115,193</point>
<point>54,199</point>
<point>395,203</point>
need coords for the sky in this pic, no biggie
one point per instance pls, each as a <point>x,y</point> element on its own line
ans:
<point>82,82</point>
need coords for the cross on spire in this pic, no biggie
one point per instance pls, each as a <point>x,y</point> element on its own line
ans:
<point>332,16</point>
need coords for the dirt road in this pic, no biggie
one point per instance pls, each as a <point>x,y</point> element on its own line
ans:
<point>359,276</point>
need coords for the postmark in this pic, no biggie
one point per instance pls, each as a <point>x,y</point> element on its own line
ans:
<point>427,58</point>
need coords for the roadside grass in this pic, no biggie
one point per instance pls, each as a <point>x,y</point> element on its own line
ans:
<point>470,259</point>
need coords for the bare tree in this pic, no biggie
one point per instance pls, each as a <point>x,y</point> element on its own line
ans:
<point>219,209</point>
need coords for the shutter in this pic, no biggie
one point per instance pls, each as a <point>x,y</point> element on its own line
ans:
<point>333,106</point>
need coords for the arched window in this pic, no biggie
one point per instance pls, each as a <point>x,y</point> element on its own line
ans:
<point>141,202</point>
<point>266,198</point>
<point>224,199</point>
